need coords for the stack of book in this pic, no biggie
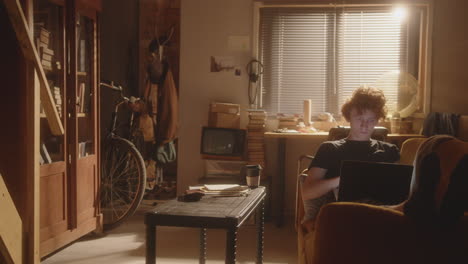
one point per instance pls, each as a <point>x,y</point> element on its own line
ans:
<point>287,122</point>
<point>58,99</point>
<point>255,137</point>
<point>45,53</point>
<point>80,98</point>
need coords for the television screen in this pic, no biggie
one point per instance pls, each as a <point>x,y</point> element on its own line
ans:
<point>222,142</point>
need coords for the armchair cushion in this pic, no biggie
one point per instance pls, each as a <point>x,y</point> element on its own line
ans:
<point>359,233</point>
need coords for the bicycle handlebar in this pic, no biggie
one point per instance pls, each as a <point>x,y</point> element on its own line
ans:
<point>112,86</point>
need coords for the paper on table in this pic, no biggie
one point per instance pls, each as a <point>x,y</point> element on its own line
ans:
<point>224,187</point>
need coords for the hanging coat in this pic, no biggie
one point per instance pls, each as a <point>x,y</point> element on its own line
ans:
<point>168,108</point>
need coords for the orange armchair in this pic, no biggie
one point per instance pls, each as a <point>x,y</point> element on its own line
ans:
<point>361,233</point>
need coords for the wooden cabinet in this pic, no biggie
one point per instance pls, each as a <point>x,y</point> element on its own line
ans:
<point>65,33</point>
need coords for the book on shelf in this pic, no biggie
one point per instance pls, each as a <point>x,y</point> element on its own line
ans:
<point>45,154</point>
<point>44,32</point>
<point>256,148</point>
<point>256,127</point>
<point>46,57</point>
<point>82,50</point>
<point>256,115</point>
<point>257,138</point>
<point>82,150</point>
<point>47,51</point>
<point>46,63</point>
<point>255,134</point>
<point>259,157</point>
<point>58,99</point>
<point>43,35</point>
<point>44,39</point>
<point>255,162</point>
<point>41,109</point>
<point>256,154</point>
<point>252,152</point>
<point>287,124</point>
<point>250,110</point>
<point>39,47</point>
<point>256,121</point>
<point>80,97</point>
<point>255,145</point>
<point>287,118</point>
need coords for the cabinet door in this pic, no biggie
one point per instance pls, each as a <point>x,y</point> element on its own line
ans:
<point>50,42</point>
<point>84,116</point>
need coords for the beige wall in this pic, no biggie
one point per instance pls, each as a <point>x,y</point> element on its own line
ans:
<point>450,57</point>
<point>205,27</point>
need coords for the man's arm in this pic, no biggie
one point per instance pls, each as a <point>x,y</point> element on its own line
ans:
<point>315,185</point>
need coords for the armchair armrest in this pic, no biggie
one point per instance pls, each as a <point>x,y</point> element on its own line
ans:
<point>360,233</point>
<point>301,174</point>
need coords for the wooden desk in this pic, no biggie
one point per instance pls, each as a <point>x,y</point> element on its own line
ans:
<point>278,180</point>
<point>210,212</point>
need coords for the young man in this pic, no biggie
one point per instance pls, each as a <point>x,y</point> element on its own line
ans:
<point>363,111</point>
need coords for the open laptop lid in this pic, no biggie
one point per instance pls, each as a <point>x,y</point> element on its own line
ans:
<point>374,182</point>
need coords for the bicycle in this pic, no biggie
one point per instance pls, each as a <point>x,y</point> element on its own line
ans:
<point>123,171</point>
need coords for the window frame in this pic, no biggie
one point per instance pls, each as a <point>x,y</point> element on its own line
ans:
<point>425,43</point>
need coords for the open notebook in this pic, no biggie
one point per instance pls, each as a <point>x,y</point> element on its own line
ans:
<point>374,182</point>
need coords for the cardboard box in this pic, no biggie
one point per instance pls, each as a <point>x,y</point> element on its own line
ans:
<point>226,108</point>
<point>224,120</point>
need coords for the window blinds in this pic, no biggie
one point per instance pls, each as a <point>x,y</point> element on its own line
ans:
<point>325,54</point>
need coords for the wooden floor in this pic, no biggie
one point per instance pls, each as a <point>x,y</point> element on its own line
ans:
<point>126,244</point>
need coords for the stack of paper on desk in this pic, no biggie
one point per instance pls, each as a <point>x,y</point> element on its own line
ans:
<point>223,189</point>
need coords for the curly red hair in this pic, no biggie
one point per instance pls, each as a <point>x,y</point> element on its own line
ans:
<point>366,98</point>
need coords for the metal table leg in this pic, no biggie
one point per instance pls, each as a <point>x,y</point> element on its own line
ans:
<point>150,244</point>
<point>260,229</point>
<point>231,239</point>
<point>202,246</point>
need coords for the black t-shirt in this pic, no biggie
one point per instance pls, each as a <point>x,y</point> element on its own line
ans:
<point>331,153</point>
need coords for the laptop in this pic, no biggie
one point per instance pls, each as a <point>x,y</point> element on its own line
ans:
<point>374,182</point>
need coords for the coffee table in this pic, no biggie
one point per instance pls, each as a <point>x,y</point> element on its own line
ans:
<point>210,212</point>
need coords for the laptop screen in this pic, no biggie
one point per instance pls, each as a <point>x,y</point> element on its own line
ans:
<point>374,182</point>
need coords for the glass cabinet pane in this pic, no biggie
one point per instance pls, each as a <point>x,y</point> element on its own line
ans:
<point>49,40</point>
<point>85,82</point>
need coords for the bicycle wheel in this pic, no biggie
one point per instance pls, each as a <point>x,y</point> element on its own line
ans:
<point>123,180</point>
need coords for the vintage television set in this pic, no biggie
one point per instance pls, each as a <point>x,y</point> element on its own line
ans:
<point>222,143</point>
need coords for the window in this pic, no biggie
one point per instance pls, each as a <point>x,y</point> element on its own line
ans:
<point>324,54</point>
